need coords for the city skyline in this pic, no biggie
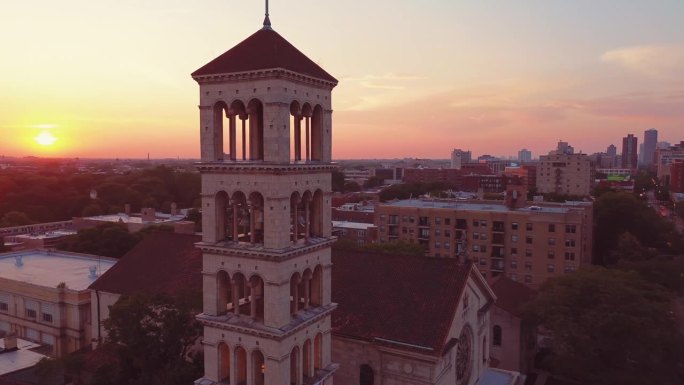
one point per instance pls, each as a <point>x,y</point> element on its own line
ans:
<point>90,80</point>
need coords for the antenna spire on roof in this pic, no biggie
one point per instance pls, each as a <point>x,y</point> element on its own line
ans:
<point>267,21</point>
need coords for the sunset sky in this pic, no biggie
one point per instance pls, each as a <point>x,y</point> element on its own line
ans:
<point>417,78</point>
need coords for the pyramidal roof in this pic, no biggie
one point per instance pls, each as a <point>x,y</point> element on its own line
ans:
<point>265,49</point>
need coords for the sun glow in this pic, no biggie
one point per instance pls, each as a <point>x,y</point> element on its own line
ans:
<point>45,138</point>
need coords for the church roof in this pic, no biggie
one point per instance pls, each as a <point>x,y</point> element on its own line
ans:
<point>265,49</point>
<point>163,262</point>
<point>410,302</point>
<point>511,295</point>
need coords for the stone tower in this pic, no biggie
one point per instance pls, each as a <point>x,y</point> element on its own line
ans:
<point>265,129</point>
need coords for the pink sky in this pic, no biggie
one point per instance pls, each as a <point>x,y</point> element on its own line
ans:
<point>417,79</point>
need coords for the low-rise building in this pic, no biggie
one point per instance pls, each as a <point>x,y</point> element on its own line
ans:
<point>358,232</point>
<point>44,297</point>
<point>147,217</point>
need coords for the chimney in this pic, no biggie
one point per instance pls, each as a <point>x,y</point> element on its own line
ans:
<point>174,208</point>
<point>19,261</point>
<point>93,272</point>
<point>11,341</point>
<point>148,214</point>
<point>127,209</point>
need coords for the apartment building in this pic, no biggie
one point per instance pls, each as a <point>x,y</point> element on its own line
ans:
<point>527,243</point>
<point>44,297</point>
<point>569,174</point>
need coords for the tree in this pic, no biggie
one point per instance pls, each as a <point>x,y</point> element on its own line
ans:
<point>108,240</point>
<point>15,218</point>
<point>628,248</point>
<point>337,181</point>
<point>150,340</point>
<point>373,181</point>
<point>351,186</point>
<point>609,327</point>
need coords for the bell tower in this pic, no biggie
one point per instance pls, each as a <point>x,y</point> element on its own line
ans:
<point>265,130</point>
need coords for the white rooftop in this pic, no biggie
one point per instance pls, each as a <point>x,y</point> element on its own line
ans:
<point>125,218</point>
<point>352,225</point>
<point>498,206</point>
<point>48,234</point>
<point>18,359</point>
<point>48,269</point>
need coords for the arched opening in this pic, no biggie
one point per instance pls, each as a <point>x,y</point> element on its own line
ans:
<point>295,131</point>
<point>317,287</point>
<point>366,375</point>
<point>255,113</point>
<point>296,210</point>
<point>224,362</point>
<point>306,214</point>
<point>256,297</point>
<point>496,335</point>
<point>294,293</point>
<point>317,134</point>
<point>240,217</point>
<point>307,113</point>
<point>294,366</point>
<point>220,110</point>
<point>241,365</point>
<point>223,292</point>
<point>306,352</point>
<point>318,352</point>
<point>238,138</point>
<point>256,218</point>
<point>305,290</point>
<point>223,215</point>
<point>239,294</point>
<point>259,367</point>
<point>316,214</point>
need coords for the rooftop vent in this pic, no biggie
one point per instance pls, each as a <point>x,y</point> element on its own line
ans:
<point>19,261</point>
<point>93,272</point>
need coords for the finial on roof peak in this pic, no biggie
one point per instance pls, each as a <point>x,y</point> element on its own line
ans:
<point>267,21</point>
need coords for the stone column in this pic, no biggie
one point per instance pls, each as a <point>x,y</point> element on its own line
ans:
<point>308,142</point>
<point>236,298</point>
<point>233,138</point>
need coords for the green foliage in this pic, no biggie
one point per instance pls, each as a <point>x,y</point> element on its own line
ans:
<point>668,273</point>
<point>337,181</point>
<point>107,239</point>
<point>196,216</point>
<point>53,195</point>
<point>351,186</point>
<point>374,181</point>
<point>618,213</point>
<point>679,209</point>
<point>393,248</point>
<point>15,218</point>
<point>628,248</point>
<point>609,327</point>
<point>150,340</point>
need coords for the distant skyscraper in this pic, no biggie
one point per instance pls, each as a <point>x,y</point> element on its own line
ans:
<point>458,157</point>
<point>611,150</point>
<point>650,140</point>
<point>525,155</point>
<point>564,148</point>
<point>629,151</point>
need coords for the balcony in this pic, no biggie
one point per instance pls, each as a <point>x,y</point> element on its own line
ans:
<point>497,265</point>
<point>498,227</point>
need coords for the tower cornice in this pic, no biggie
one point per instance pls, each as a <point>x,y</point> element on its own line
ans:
<point>273,73</point>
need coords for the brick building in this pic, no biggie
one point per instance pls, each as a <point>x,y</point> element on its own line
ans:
<point>569,174</point>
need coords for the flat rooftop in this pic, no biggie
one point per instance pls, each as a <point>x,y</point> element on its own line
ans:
<point>48,234</point>
<point>352,225</point>
<point>18,359</point>
<point>49,268</point>
<point>125,218</point>
<point>496,206</point>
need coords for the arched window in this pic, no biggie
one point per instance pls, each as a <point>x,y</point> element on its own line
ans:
<point>223,292</point>
<point>307,359</point>
<point>224,362</point>
<point>317,134</point>
<point>496,335</point>
<point>294,366</point>
<point>241,365</point>
<point>366,375</point>
<point>318,351</point>
<point>295,294</point>
<point>316,291</point>
<point>259,367</point>
<point>256,297</point>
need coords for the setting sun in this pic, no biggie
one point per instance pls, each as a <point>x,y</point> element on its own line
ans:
<point>45,138</point>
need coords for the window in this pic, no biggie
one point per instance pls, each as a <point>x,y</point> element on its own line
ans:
<point>476,247</point>
<point>483,261</point>
<point>528,240</point>
<point>438,220</point>
<point>483,248</point>
<point>569,268</point>
<point>447,233</point>
<point>4,306</point>
<point>476,223</point>
<point>514,226</point>
<point>551,268</point>
<point>4,302</point>
<point>476,235</point>
<point>382,217</point>
<point>47,317</point>
<point>514,251</point>
<point>423,221</point>
<point>570,229</point>
<point>514,264</point>
<point>46,310</point>
<point>393,219</point>
<point>483,236</point>
<point>424,233</point>
<point>461,224</point>
<point>569,243</point>
<point>528,253</point>
<point>438,232</point>
<point>404,218</point>
<point>528,278</point>
<point>514,238</point>
<point>366,375</point>
<point>528,265</point>
<point>496,335</point>
<point>528,226</point>
<point>514,277</point>
<point>31,313</point>
<point>412,219</point>
<point>552,254</point>
<point>446,245</point>
<point>404,230</point>
<point>437,245</point>
<point>552,241</point>
<point>447,221</point>
<point>483,223</point>
<point>569,256</point>
<point>552,228</point>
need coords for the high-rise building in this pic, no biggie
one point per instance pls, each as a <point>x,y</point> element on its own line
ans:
<point>611,150</point>
<point>650,141</point>
<point>525,155</point>
<point>564,148</point>
<point>266,214</point>
<point>629,152</point>
<point>459,157</point>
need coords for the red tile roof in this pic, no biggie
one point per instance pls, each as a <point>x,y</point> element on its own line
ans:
<point>265,49</point>
<point>511,295</point>
<point>411,300</point>
<point>163,262</point>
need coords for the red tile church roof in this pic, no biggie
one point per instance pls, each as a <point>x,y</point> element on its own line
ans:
<point>163,262</point>
<point>265,49</point>
<point>511,295</point>
<point>409,300</point>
